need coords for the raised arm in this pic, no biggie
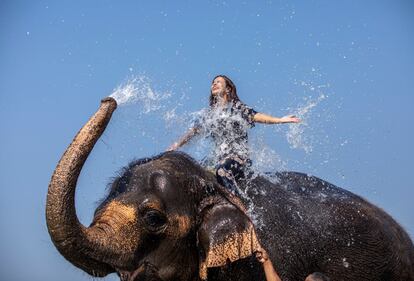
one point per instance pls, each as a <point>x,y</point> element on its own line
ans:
<point>184,139</point>
<point>267,119</point>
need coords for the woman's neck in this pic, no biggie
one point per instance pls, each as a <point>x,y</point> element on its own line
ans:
<point>222,100</point>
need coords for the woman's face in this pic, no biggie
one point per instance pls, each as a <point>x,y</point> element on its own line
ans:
<point>218,87</point>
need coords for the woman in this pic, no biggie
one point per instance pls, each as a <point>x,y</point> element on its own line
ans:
<point>227,122</point>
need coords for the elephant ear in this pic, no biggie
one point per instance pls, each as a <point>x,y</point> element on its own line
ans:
<point>226,234</point>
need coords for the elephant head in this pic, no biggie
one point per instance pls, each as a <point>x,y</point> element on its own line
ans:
<point>164,218</point>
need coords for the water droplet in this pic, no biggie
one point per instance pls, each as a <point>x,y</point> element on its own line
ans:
<point>345,263</point>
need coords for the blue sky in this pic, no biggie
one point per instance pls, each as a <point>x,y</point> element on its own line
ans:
<point>58,59</point>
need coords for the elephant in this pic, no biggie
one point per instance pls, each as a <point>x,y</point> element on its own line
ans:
<point>166,218</point>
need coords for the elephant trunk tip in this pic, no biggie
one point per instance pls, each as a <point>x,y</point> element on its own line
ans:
<point>110,100</point>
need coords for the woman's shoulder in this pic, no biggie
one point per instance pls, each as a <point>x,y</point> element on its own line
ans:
<point>244,108</point>
<point>241,105</point>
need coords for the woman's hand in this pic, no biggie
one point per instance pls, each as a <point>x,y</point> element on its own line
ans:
<point>172,147</point>
<point>270,272</point>
<point>262,256</point>
<point>290,119</point>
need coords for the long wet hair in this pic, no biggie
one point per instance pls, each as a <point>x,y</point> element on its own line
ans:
<point>231,96</point>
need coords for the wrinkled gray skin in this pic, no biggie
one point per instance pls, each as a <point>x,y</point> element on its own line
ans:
<point>164,215</point>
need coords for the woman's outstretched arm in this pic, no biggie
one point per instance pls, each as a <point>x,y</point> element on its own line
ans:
<point>268,268</point>
<point>267,119</point>
<point>184,139</point>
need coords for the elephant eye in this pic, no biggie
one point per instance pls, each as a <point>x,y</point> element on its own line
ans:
<point>155,221</point>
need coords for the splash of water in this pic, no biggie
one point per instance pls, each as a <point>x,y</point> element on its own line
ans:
<point>266,161</point>
<point>139,90</point>
<point>296,135</point>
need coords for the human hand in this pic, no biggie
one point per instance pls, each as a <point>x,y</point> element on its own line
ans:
<point>172,147</point>
<point>291,119</point>
<point>262,256</point>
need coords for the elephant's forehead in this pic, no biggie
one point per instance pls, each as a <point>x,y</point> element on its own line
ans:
<point>156,184</point>
<point>165,167</point>
<point>163,177</point>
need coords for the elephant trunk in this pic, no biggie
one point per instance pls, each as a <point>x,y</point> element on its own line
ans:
<point>78,244</point>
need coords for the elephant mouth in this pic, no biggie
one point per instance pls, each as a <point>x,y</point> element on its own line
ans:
<point>144,272</point>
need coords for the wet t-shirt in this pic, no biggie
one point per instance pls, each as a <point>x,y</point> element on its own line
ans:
<point>227,127</point>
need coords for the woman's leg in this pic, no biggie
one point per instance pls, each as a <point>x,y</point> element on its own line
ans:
<point>228,173</point>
